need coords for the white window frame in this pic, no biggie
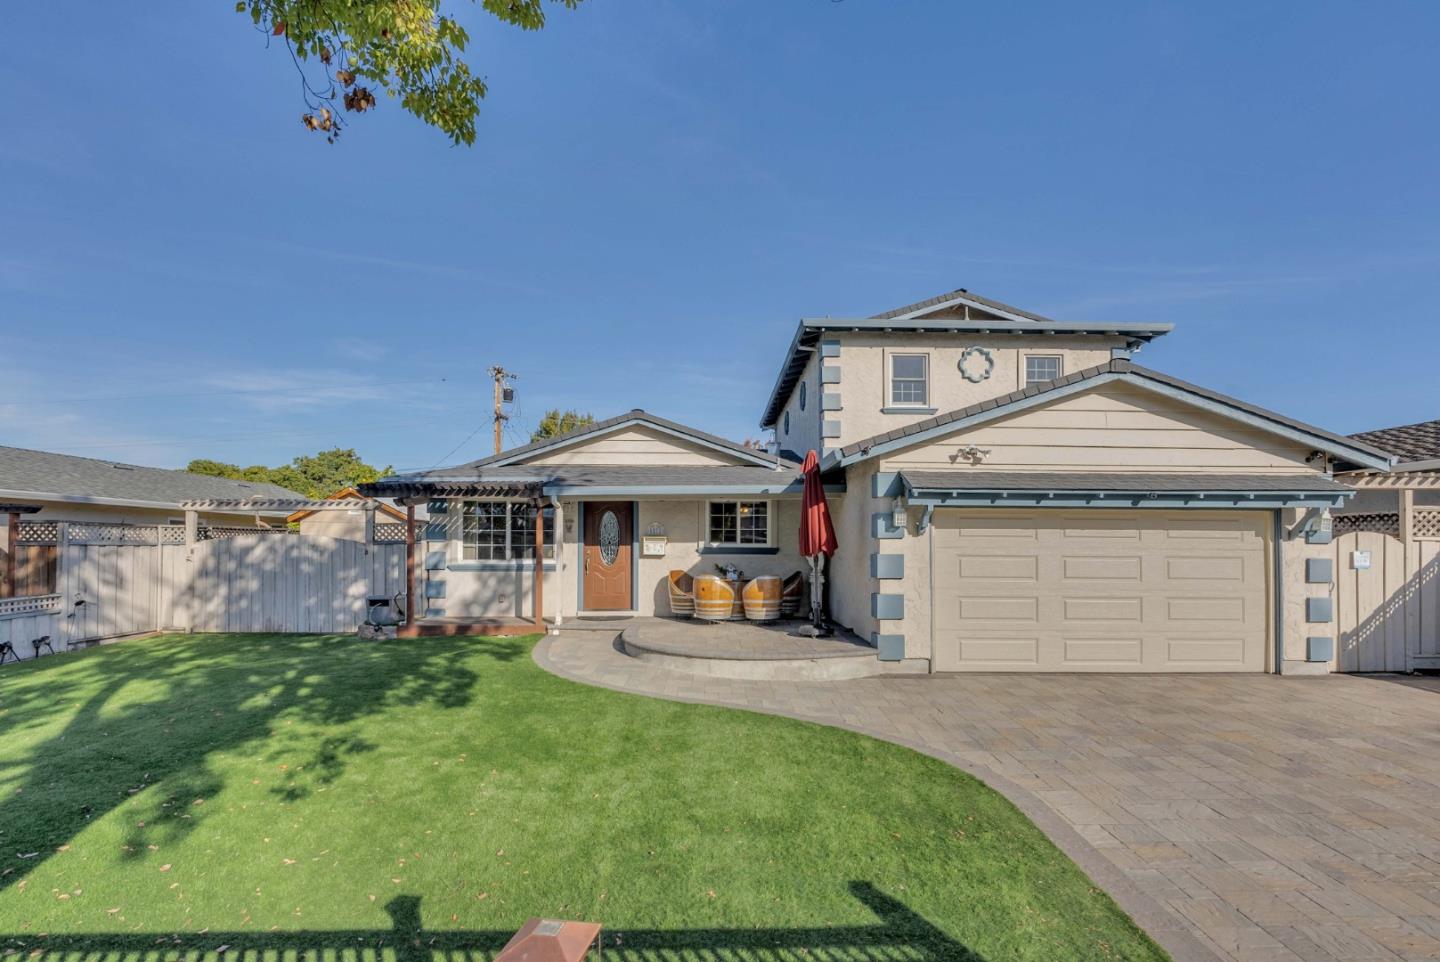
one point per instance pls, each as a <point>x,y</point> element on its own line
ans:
<point>890,401</point>
<point>511,557</point>
<point>1025,368</point>
<point>769,541</point>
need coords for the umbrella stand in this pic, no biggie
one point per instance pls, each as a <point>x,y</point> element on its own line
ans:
<point>819,626</point>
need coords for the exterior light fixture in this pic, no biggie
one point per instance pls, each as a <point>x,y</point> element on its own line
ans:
<point>900,517</point>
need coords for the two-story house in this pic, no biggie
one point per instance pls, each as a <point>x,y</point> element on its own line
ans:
<point>1010,493</point>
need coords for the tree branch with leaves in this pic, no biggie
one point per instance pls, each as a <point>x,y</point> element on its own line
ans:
<point>346,50</point>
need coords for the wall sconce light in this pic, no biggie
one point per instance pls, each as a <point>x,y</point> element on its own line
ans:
<point>900,516</point>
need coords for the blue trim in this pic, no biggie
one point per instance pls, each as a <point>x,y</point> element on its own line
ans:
<point>890,647</point>
<point>887,607</point>
<point>1319,571</point>
<point>882,526</point>
<point>829,374</point>
<point>437,506</point>
<point>522,565</point>
<point>830,429</point>
<point>434,589</point>
<point>1319,611</point>
<point>435,561</point>
<point>887,566</point>
<point>1319,648</point>
<point>1267,500</point>
<point>722,550</point>
<point>830,402</point>
<point>886,484</point>
<point>431,612</point>
<point>434,531</point>
<point>830,348</point>
<point>905,410</point>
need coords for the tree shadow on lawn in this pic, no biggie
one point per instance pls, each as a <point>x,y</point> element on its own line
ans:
<point>151,713</point>
<point>899,935</point>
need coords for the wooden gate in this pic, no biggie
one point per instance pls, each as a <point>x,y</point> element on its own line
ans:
<point>1387,593</point>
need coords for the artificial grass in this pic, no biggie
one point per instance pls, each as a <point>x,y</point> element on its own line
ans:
<point>279,797</point>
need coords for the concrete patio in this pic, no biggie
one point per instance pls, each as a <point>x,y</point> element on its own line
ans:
<point>769,651</point>
<point>1239,817</point>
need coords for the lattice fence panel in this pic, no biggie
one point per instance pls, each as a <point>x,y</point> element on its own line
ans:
<point>172,534</point>
<point>90,533</point>
<point>1425,524</point>
<point>389,533</point>
<point>30,605</point>
<point>1381,522</point>
<point>37,532</point>
<point>216,532</point>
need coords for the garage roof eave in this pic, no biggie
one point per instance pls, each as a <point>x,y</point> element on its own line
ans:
<point>1044,489</point>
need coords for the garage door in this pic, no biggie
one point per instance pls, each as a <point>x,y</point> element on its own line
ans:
<point>1101,590</point>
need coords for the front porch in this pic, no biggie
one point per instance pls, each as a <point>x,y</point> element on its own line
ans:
<point>761,651</point>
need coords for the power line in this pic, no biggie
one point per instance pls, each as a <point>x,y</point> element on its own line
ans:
<point>285,392</point>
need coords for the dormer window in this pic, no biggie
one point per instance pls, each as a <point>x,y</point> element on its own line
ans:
<point>909,380</point>
<point>1040,368</point>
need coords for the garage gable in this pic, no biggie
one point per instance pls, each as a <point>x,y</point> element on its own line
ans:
<point>1114,426</point>
<point>1124,400</point>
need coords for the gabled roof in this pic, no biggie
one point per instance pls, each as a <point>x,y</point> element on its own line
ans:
<point>958,312</point>
<point>1346,449</point>
<point>628,419</point>
<point>962,298</point>
<point>1408,442</point>
<point>47,476</point>
<point>347,494</point>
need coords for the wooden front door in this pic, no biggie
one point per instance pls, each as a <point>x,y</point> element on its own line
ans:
<point>609,532</point>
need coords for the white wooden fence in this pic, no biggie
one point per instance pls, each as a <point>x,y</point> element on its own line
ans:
<point>117,580</point>
<point>1387,591</point>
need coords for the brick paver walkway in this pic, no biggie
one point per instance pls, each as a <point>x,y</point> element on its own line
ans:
<point>1253,816</point>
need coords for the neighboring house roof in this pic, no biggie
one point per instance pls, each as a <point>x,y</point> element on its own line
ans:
<point>348,494</point>
<point>980,315</point>
<point>1408,442</point>
<point>47,476</point>
<point>1347,449</point>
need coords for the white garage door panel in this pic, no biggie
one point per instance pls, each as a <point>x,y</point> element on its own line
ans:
<point>1101,590</point>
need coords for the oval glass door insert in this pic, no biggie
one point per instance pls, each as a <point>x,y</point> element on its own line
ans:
<point>609,537</point>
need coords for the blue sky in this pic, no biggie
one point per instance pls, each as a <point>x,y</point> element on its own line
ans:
<point>661,188</point>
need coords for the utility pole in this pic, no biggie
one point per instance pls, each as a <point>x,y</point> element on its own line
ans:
<point>502,394</point>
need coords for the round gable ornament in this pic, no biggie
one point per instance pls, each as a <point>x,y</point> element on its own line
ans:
<point>976,364</point>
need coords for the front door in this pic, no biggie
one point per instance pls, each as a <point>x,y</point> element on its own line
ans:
<point>608,534</point>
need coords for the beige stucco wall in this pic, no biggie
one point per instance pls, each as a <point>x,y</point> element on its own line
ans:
<point>1295,629</point>
<point>1113,427</point>
<point>863,374</point>
<point>851,584</point>
<point>804,433</point>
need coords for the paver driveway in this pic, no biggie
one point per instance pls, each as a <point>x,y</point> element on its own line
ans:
<point>1257,816</point>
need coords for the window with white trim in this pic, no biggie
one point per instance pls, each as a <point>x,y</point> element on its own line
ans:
<point>503,531</point>
<point>1040,368</point>
<point>910,380</point>
<point>739,524</point>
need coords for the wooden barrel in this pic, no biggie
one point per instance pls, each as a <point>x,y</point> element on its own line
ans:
<point>714,598</point>
<point>792,597</point>
<point>762,598</point>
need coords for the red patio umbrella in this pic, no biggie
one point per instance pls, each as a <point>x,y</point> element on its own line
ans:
<point>817,536</point>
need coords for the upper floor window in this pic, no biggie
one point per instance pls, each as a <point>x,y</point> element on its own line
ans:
<point>502,531</point>
<point>802,395</point>
<point>910,379</point>
<point>1040,368</point>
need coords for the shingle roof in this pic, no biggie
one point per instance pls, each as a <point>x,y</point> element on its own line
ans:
<point>532,477</point>
<point>988,480</point>
<point>634,416</point>
<point>1409,442</point>
<point>1116,366</point>
<point>67,477</point>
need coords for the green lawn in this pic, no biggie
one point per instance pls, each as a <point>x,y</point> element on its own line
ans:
<point>323,799</point>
